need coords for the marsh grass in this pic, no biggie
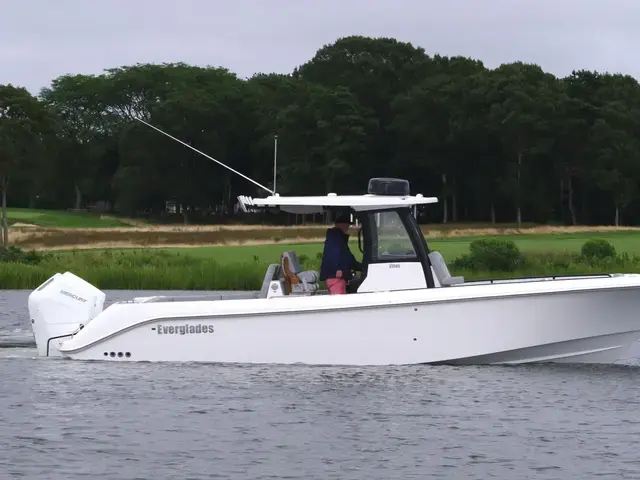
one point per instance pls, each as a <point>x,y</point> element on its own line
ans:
<point>160,270</point>
<point>136,270</point>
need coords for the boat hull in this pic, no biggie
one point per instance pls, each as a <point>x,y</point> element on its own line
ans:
<point>467,325</point>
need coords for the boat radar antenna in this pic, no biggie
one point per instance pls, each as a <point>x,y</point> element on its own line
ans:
<point>211,158</point>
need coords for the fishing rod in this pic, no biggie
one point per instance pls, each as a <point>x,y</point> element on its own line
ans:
<point>211,158</point>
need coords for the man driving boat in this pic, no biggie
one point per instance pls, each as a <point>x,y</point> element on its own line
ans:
<point>337,259</point>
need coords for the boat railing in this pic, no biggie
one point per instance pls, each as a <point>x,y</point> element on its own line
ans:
<point>538,278</point>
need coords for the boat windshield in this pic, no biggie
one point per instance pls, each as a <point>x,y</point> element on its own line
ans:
<point>393,240</point>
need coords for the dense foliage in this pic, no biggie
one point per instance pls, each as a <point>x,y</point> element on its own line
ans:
<point>512,143</point>
<point>487,257</point>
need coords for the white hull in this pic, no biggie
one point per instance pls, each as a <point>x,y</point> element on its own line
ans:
<point>585,320</point>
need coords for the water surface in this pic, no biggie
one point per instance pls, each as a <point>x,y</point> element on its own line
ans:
<point>72,420</point>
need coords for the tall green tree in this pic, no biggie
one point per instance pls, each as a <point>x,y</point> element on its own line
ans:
<point>25,126</point>
<point>78,101</point>
<point>523,99</point>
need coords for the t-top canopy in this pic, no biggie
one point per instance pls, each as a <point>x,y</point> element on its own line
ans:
<point>317,204</point>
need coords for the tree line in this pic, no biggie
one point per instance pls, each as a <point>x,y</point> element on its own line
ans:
<point>509,144</point>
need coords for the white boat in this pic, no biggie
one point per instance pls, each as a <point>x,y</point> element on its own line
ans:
<point>404,308</point>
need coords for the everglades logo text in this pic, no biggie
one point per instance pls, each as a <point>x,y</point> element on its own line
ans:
<point>184,329</point>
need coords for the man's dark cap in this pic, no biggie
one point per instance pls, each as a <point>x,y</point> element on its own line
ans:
<point>343,218</point>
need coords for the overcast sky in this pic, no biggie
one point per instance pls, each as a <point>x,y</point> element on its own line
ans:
<point>42,39</point>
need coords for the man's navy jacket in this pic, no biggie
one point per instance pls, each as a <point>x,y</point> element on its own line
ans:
<point>337,256</point>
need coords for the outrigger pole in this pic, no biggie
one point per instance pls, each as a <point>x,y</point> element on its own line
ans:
<point>275,159</point>
<point>211,158</point>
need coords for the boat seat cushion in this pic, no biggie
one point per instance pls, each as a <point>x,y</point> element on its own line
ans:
<point>442,271</point>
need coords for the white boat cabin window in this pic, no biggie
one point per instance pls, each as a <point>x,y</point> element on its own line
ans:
<point>392,241</point>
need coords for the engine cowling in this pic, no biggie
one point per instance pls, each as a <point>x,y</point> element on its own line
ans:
<point>61,306</point>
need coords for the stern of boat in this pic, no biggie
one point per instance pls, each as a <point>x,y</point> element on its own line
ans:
<point>59,308</point>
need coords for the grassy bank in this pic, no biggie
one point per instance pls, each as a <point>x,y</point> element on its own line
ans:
<point>227,268</point>
<point>59,230</point>
<point>136,270</point>
<point>451,248</point>
<point>451,240</point>
<point>28,217</point>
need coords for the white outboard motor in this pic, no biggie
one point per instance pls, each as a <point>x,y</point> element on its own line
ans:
<point>60,307</point>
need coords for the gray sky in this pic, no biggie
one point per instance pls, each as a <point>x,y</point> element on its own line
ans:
<point>42,39</point>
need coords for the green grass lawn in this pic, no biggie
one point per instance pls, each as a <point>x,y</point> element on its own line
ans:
<point>450,248</point>
<point>61,218</point>
<point>243,267</point>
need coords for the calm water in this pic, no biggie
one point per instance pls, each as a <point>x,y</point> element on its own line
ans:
<point>70,420</point>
